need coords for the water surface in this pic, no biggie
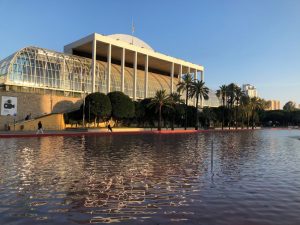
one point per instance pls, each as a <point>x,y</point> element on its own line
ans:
<point>253,178</point>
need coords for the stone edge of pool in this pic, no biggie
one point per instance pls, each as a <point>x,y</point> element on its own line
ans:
<point>106,133</point>
<point>90,133</point>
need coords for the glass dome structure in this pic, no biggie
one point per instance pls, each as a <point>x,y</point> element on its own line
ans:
<point>41,68</point>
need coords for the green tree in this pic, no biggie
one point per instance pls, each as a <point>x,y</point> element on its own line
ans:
<point>191,115</point>
<point>185,85</point>
<point>73,116</point>
<point>221,94</point>
<point>175,98</point>
<point>179,114</point>
<point>122,106</point>
<point>158,101</point>
<point>275,117</point>
<point>238,95</point>
<point>295,117</point>
<point>207,116</point>
<point>257,104</point>
<point>289,106</point>
<point>148,112</point>
<point>198,90</point>
<point>230,100</point>
<point>97,106</point>
<point>245,109</point>
<point>140,113</point>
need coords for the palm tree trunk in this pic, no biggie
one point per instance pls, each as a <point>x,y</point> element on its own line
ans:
<point>248,122</point>
<point>242,120</point>
<point>173,121</point>
<point>230,111</point>
<point>186,109</point>
<point>159,119</point>
<point>197,115</point>
<point>236,116</point>
<point>252,117</point>
<point>223,114</point>
<point>223,118</point>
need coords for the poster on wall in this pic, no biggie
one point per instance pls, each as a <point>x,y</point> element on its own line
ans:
<point>9,106</point>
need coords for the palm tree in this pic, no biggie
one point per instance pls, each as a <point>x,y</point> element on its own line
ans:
<point>198,90</point>
<point>245,108</point>
<point>238,95</point>
<point>175,98</point>
<point>159,100</point>
<point>221,93</point>
<point>257,104</point>
<point>230,93</point>
<point>185,85</point>
<point>262,105</point>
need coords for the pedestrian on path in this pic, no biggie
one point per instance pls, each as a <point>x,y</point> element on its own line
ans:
<point>40,128</point>
<point>28,117</point>
<point>109,127</point>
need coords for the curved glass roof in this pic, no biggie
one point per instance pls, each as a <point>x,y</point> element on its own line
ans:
<point>4,64</point>
<point>38,67</point>
<point>35,53</point>
<point>42,68</point>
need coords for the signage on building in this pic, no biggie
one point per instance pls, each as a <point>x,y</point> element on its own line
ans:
<point>9,106</point>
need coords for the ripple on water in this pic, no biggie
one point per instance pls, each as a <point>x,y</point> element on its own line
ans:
<point>152,179</point>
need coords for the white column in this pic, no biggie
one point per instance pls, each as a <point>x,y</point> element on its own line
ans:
<point>63,71</point>
<point>202,79</point>
<point>146,76</point>
<point>196,74</point>
<point>108,68</point>
<point>123,70</point>
<point>189,71</point>
<point>172,77</point>
<point>195,78</point>
<point>180,73</point>
<point>94,54</point>
<point>135,75</point>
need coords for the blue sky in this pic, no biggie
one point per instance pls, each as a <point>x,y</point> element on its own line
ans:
<point>253,41</point>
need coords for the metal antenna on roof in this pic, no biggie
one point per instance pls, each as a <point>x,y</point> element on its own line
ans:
<point>132,31</point>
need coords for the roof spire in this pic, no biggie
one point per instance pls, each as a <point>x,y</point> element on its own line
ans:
<point>132,31</point>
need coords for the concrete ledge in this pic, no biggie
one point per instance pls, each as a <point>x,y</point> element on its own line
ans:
<point>101,133</point>
<point>101,130</point>
<point>104,132</point>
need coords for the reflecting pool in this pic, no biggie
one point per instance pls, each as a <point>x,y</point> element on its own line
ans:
<point>252,178</point>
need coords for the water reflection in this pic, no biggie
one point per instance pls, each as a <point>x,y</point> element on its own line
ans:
<point>151,179</point>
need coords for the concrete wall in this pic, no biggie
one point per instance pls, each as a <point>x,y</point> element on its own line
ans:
<point>37,105</point>
<point>49,122</point>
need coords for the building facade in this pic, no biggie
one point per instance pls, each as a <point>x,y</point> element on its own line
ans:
<point>250,90</point>
<point>274,105</point>
<point>96,63</point>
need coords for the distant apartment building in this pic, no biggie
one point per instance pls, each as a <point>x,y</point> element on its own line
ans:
<point>275,105</point>
<point>250,90</point>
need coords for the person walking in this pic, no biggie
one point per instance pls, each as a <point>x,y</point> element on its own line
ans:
<point>28,117</point>
<point>40,128</point>
<point>109,127</point>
